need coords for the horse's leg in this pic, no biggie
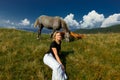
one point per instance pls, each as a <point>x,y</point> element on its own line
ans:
<point>39,32</point>
<point>38,36</point>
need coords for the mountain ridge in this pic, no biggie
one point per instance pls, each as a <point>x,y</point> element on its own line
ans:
<point>114,29</point>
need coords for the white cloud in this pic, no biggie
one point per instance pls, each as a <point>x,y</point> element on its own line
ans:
<point>25,22</point>
<point>111,20</point>
<point>7,23</point>
<point>71,21</point>
<point>11,24</point>
<point>92,20</point>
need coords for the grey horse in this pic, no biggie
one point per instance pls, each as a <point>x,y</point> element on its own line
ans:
<point>54,23</point>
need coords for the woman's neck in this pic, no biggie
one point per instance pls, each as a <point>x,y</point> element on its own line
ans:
<point>57,41</point>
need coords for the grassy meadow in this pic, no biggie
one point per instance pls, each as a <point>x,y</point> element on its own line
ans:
<point>95,57</point>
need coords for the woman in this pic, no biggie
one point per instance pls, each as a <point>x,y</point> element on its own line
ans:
<point>52,58</point>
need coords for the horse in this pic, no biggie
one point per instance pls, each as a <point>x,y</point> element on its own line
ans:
<point>73,35</point>
<point>55,23</point>
<point>76,35</point>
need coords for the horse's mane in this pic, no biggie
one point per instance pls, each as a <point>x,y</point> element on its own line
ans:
<point>64,26</point>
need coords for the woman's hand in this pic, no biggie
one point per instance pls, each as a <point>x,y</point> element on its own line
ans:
<point>62,66</point>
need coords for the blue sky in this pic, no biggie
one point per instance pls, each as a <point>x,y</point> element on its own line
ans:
<point>77,13</point>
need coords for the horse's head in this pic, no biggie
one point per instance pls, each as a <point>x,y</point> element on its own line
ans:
<point>67,36</point>
<point>66,30</point>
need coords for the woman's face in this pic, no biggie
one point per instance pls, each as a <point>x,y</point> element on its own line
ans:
<point>58,36</point>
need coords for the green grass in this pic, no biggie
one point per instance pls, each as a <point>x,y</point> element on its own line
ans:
<point>96,57</point>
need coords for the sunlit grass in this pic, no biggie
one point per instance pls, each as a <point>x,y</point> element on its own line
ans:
<point>96,57</point>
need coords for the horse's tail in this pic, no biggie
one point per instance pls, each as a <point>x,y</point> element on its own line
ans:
<point>36,23</point>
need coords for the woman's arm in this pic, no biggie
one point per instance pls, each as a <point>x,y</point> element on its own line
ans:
<point>56,55</point>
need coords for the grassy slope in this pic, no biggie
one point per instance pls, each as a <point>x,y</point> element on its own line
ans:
<point>96,57</point>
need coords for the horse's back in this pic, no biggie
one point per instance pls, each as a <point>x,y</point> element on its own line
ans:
<point>45,20</point>
<point>49,21</point>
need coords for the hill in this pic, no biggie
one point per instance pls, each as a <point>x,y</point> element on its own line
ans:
<point>96,57</point>
<point>111,29</point>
